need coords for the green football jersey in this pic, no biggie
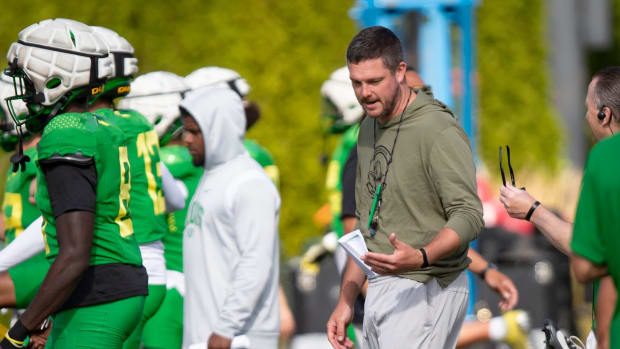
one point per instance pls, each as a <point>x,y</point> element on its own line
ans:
<point>84,134</point>
<point>333,183</point>
<point>264,158</point>
<point>147,205</point>
<point>178,160</point>
<point>18,211</point>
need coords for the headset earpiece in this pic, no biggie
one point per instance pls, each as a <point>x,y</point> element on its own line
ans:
<point>601,115</point>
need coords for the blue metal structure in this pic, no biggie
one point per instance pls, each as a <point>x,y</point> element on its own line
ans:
<point>445,50</point>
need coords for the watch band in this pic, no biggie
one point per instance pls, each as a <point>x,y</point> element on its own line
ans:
<point>531,211</point>
<point>424,258</point>
<point>483,273</point>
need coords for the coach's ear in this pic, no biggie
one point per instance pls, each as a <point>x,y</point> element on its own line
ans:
<point>401,69</point>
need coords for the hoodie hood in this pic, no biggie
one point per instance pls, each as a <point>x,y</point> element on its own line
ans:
<point>219,113</point>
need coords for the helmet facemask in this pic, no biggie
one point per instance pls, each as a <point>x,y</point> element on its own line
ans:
<point>332,119</point>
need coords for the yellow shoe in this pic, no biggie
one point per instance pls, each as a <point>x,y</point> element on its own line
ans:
<point>518,325</point>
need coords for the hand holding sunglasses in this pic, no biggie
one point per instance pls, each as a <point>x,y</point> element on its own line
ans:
<point>501,168</point>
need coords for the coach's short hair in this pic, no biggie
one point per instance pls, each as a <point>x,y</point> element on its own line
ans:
<point>375,42</point>
<point>607,90</point>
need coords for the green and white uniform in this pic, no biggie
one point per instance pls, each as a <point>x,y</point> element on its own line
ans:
<point>18,214</point>
<point>147,204</point>
<point>18,211</point>
<point>333,183</point>
<point>165,329</point>
<point>113,245</point>
<point>82,133</point>
<point>264,158</point>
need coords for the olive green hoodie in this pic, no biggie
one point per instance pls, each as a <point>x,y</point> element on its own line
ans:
<point>431,184</point>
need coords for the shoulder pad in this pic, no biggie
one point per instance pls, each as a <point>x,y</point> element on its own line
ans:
<point>77,159</point>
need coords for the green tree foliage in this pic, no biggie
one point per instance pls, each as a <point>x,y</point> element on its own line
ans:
<point>515,107</point>
<point>285,49</point>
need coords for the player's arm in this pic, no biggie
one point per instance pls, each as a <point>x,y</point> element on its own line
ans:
<point>519,202</point>
<point>71,185</point>
<point>26,245</point>
<point>585,270</point>
<point>495,279</point>
<point>175,192</point>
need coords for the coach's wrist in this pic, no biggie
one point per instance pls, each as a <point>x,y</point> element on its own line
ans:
<point>423,256</point>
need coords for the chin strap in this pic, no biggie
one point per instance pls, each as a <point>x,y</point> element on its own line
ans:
<point>19,159</point>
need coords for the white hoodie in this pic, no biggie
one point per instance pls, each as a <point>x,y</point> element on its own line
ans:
<point>230,242</point>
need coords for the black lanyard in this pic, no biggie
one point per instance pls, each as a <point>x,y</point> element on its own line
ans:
<point>373,217</point>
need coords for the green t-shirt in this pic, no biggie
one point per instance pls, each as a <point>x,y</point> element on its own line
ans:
<point>595,232</point>
<point>84,134</point>
<point>431,184</point>
<point>333,182</point>
<point>147,205</point>
<point>264,158</point>
<point>178,160</point>
<point>18,211</point>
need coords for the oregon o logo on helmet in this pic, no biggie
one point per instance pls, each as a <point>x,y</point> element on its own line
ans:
<point>96,90</point>
<point>123,89</point>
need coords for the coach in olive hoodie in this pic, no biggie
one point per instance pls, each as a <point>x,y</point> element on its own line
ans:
<point>417,203</point>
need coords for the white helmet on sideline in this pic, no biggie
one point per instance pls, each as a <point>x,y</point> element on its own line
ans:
<point>157,95</point>
<point>217,76</point>
<point>339,102</point>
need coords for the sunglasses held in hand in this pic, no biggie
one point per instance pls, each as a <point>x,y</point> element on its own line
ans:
<point>501,168</point>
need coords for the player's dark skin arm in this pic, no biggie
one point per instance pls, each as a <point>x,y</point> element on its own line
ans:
<point>75,234</point>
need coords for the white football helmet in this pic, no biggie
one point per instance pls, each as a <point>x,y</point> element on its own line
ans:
<point>125,64</point>
<point>9,135</point>
<point>19,107</point>
<point>157,95</point>
<point>339,102</point>
<point>57,56</point>
<point>217,76</point>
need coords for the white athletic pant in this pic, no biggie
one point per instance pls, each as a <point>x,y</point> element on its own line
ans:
<point>402,313</point>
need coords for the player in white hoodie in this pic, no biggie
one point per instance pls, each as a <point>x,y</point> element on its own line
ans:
<point>230,242</point>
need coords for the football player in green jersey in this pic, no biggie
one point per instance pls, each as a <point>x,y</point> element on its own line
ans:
<point>340,114</point>
<point>96,284</point>
<point>20,283</point>
<point>157,96</point>
<point>147,205</point>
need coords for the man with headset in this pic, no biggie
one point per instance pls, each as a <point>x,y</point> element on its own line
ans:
<point>603,117</point>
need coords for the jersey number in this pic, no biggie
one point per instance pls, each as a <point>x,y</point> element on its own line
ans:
<point>124,218</point>
<point>147,144</point>
<point>12,208</point>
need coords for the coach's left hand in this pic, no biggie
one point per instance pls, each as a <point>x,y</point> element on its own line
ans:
<point>218,342</point>
<point>404,258</point>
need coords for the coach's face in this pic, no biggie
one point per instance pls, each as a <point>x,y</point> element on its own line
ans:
<point>376,87</point>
